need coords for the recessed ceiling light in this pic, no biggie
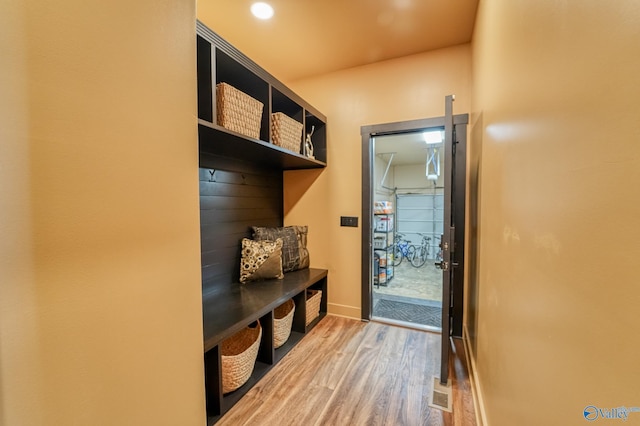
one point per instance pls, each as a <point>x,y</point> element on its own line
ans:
<point>262,10</point>
<point>432,137</point>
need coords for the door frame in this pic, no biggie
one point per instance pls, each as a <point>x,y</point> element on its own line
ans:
<point>460,122</point>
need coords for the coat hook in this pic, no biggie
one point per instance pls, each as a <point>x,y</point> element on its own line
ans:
<point>212,172</point>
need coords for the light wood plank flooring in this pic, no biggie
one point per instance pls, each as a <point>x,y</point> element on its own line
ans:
<point>346,372</point>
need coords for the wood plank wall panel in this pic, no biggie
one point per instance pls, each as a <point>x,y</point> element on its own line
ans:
<point>234,196</point>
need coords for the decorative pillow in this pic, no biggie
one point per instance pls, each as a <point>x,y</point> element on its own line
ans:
<point>301,233</point>
<point>261,260</point>
<point>294,244</point>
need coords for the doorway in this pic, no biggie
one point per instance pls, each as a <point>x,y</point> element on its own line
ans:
<point>415,206</point>
<point>408,217</point>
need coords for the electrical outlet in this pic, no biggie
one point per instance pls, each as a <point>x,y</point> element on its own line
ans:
<point>349,221</point>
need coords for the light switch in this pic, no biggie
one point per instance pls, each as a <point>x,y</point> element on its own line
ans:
<point>349,221</point>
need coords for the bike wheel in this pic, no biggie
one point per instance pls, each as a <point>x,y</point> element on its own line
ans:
<point>397,256</point>
<point>411,253</point>
<point>420,257</point>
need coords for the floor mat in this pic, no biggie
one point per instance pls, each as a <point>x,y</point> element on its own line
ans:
<point>409,312</point>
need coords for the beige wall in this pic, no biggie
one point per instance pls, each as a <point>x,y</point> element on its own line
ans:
<point>100,299</point>
<point>409,88</point>
<point>556,110</point>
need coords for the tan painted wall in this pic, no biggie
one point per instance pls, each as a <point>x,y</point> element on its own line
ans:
<point>556,109</point>
<point>409,88</point>
<point>100,299</point>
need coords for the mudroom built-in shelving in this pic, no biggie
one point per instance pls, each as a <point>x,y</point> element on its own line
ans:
<point>241,186</point>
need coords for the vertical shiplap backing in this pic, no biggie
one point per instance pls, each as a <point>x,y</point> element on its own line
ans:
<point>234,196</point>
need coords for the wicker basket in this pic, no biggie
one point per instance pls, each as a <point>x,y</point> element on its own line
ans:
<point>239,353</point>
<point>238,111</point>
<point>286,132</point>
<point>313,304</point>
<point>283,318</point>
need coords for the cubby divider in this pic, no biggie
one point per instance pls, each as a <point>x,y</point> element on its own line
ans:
<point>205,81</point>
<point>265,353</point>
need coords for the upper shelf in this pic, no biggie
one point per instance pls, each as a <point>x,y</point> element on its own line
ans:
<point>217,140</point>
<point>219,62</point>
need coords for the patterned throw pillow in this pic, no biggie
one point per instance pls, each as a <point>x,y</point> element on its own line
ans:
<point>301,232</point>
<point>261,260</point>
<point>294,244</point>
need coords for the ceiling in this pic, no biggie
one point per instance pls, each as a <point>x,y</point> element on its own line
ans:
<point>407,148</point>
<point>312,37</point>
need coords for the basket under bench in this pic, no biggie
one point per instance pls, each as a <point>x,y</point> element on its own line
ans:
<point>228,310</point>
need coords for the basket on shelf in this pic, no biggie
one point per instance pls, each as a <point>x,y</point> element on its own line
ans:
<point>238,111</point>
<point>313,304</point>
<point>239,353</point>
<point>283,318</point>
<point>286,132</point>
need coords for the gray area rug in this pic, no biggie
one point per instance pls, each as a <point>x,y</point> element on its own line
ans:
<point>409,312</point>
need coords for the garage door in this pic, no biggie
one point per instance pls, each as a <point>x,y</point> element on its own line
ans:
<point>421,214</point>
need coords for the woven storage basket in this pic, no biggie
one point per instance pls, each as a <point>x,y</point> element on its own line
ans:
<point>313,304</point>
<point>286,132</point>
<point>239,354</point>
<point>238,111</point>
<point>283,318</point>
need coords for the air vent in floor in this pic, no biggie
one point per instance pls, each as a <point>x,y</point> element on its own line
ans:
<point>441,396</point>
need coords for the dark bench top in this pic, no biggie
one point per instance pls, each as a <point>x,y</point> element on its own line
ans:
<point>227,312</point>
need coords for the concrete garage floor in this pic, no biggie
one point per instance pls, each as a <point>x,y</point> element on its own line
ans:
<point>424,283</point>
<point>415,286</point>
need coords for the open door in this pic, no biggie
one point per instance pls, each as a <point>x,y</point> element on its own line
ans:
<point>452,167</point>
<point>447,242</point>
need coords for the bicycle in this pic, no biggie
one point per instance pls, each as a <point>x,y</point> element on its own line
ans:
<point>402,249</point>
<point>422,252</point>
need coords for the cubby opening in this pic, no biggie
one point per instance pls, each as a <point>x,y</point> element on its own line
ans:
<point>230,71</point>
<point>319,137</point>
<point>282,103</point>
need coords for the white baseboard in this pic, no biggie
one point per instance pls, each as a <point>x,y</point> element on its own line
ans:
<point>476,390</point>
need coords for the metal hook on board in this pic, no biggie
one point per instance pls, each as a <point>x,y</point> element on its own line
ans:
<point>212,172</point>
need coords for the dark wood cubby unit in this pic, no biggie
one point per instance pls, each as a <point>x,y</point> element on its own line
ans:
<point>229,311</point>
<point>241,185</point>
<point>219,62</point>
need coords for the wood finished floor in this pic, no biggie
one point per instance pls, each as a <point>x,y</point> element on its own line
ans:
<point>346,372</point>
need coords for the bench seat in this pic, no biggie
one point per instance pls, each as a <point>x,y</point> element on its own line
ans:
<point>228,311</point>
